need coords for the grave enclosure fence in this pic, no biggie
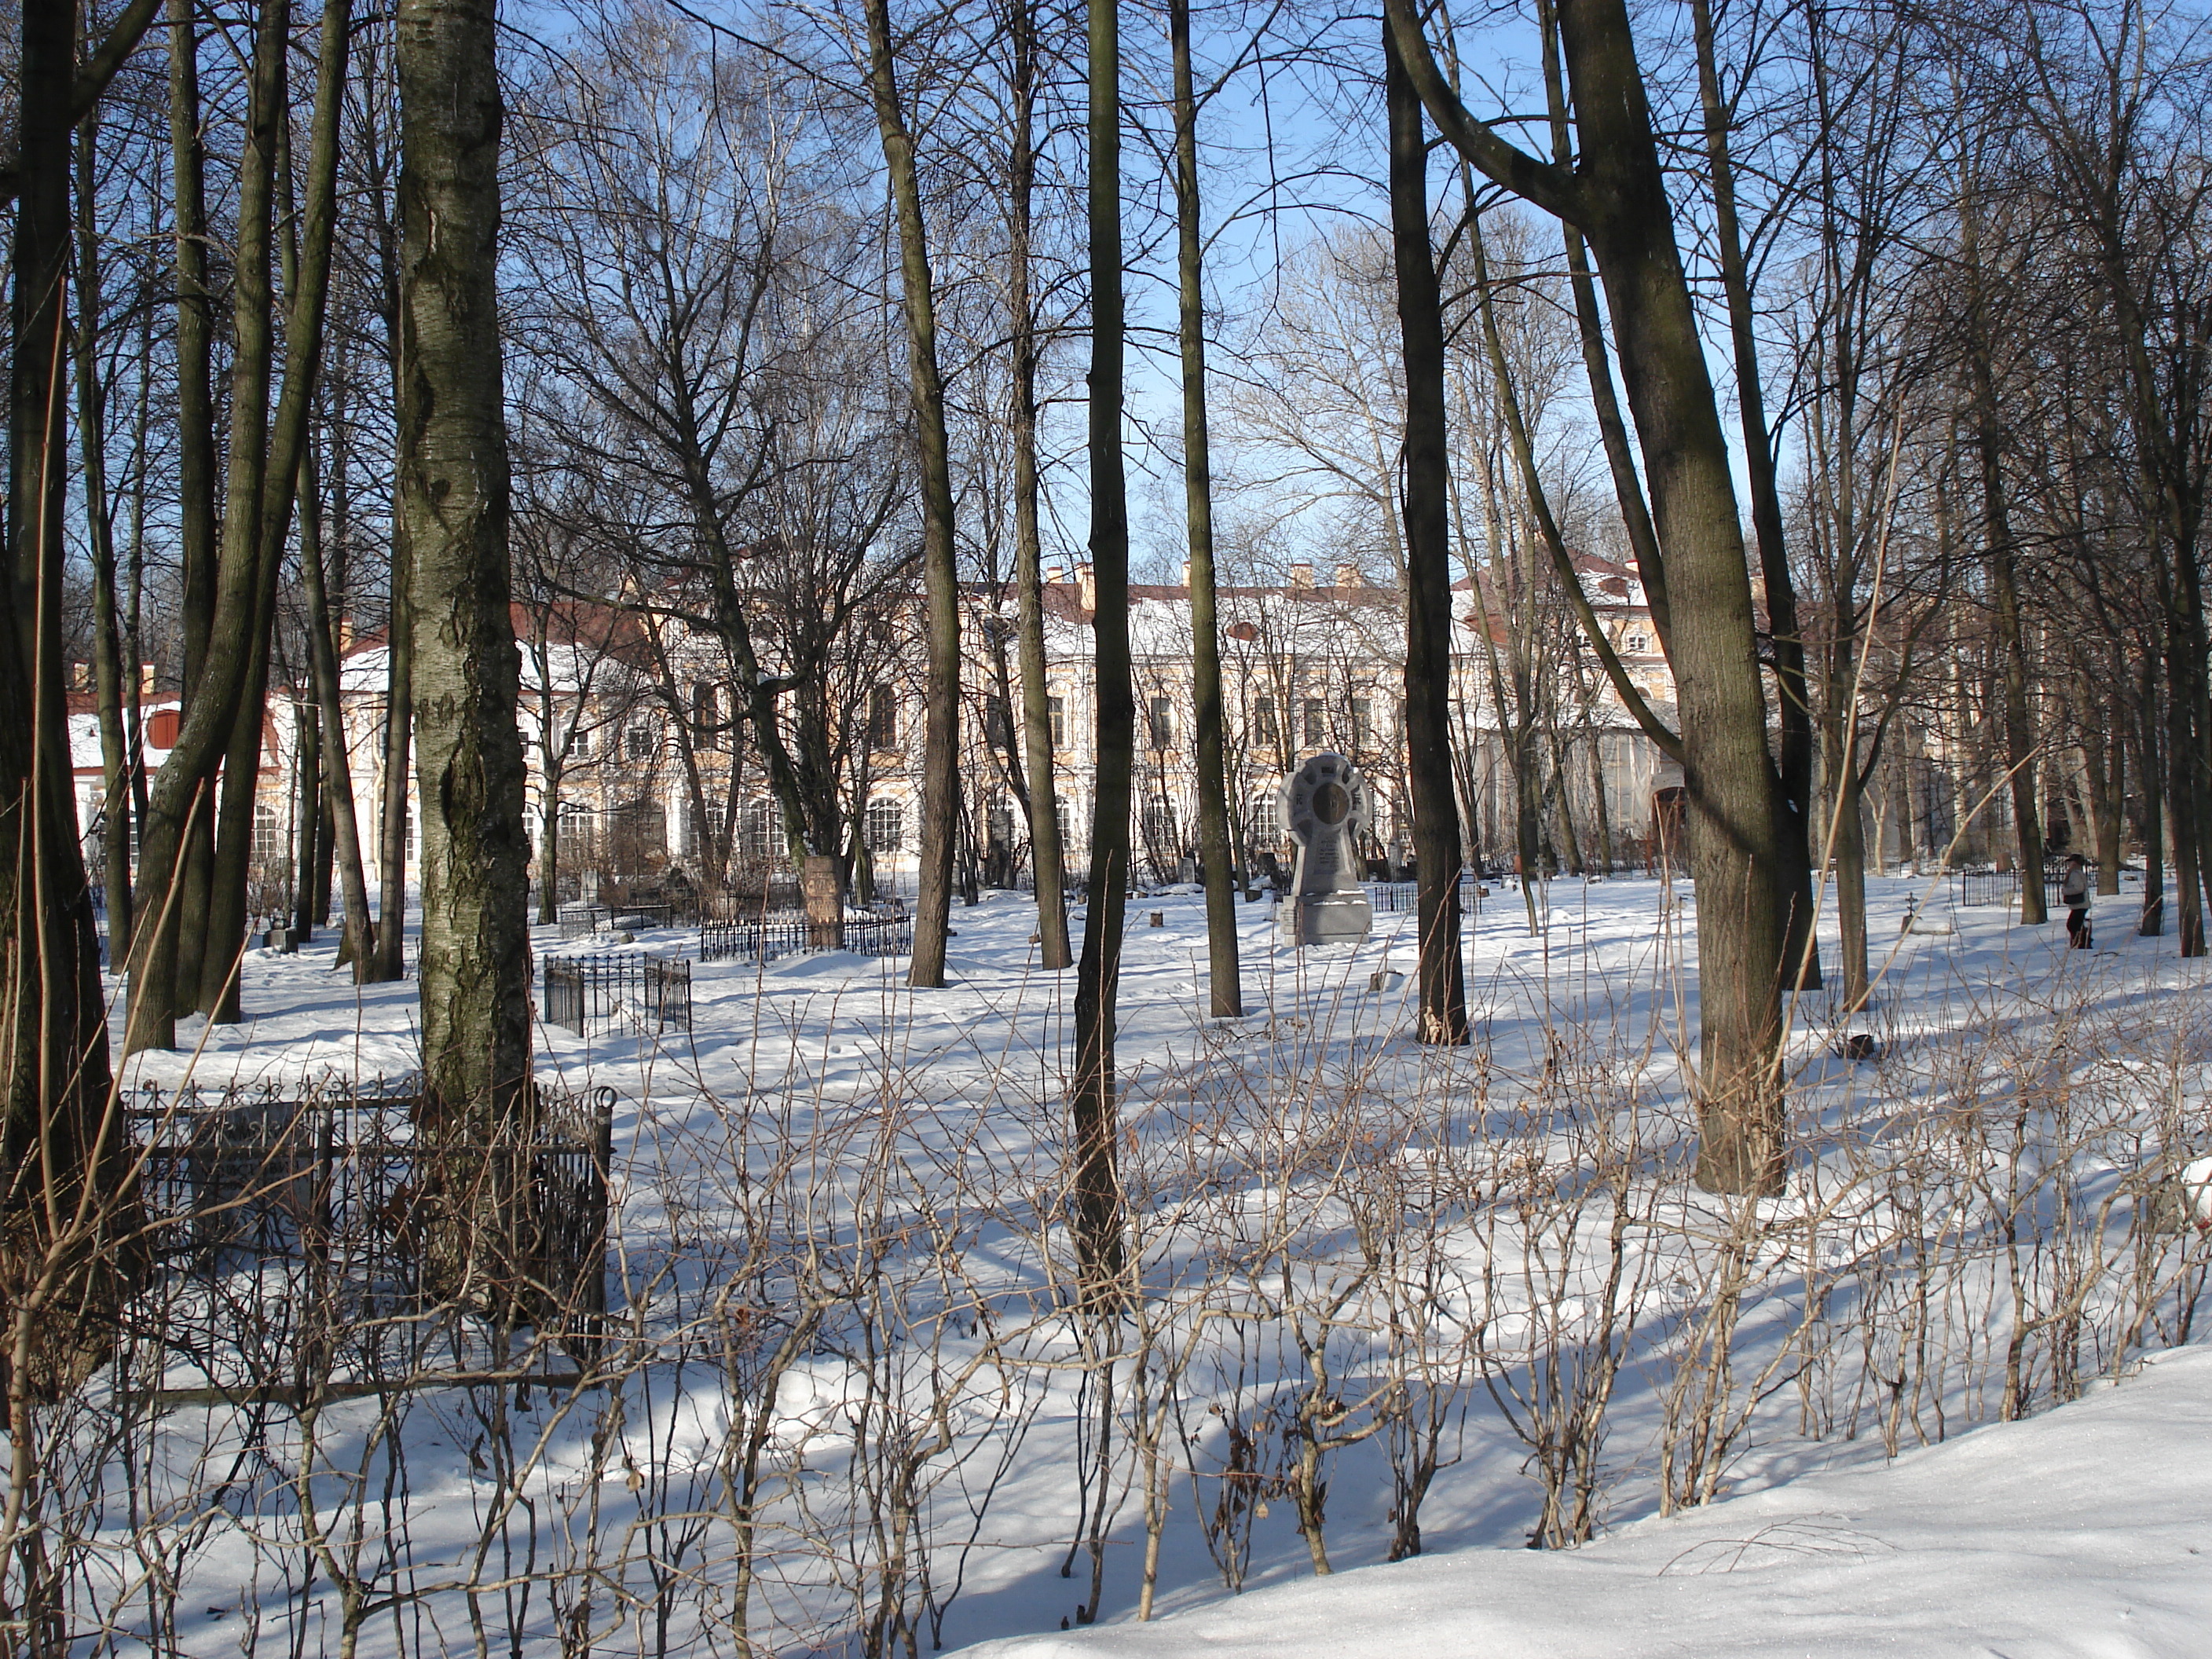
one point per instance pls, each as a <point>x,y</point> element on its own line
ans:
<point>588,993</point>
<point>765,940</point>
<point>289,1230</point>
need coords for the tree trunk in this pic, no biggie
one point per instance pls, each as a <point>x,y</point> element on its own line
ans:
<point>1425,508</point>
<point>454,494</point>
<point>2104,771</point>
<point>171,975</point>
<point>306,810</point>
<point>388,954</point>
<point>100,536</point>
<point>2183,666</point>
<point>1618,196</point>
<point>336,762</point>
<point>1794,711</point>
<point>1213,855</point>
<point>940,758</point>
<point>1048,856</point>
<point>67,1180</point>
<point>2152,922</point>
<point>549,854</point>
<point>179,941</point>
<point>1851,871</point>
<point>1094,1105</point>
<point>307,267</point>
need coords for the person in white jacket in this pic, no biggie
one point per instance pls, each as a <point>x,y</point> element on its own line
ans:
<point>2075,889</point>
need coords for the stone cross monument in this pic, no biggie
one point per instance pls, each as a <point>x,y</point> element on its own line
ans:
<point>1324,805</point>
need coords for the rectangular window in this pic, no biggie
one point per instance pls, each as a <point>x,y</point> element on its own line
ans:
<point>1363,724</point>
<point>1265,729</point>
<point>1317,723</point>
<point>1162,723</point>
<point>886,824</point>
<point>1265,817</point>
<point>882,718</point>
<point>637,743</point>
<point>705,716</point>
<point>579,743</point>
<point>1056,712</point>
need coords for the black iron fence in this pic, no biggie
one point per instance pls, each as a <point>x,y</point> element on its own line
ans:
<point>581,920</point>
<point>1980,887</point>
<point>767,938</point>
<point>1404,897</point>
<point>584,993</point>
<point>320,1205</point>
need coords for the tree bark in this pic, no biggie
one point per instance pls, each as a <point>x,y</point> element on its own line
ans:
<point>100,537</point>
<point>1425,509</point>
<point>2152,921</point>
<point>67,1180</point>
<point>336,761</point>
<point>1094,1104</point>
<point>940,758</point>
<point>454,494</point>
<point>1617,196</point>
<point>307,810</point>
<point>307,263</point>
<point>1794,710</point>
<point>1224,977</point>
<point>171,975</point>
<point>178,941</point>
<point>1048,856</point>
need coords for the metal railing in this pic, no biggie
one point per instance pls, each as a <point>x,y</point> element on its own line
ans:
<point>1983,887</point>
<point>770,937</point>
<point>280,1196</point>
<point>1404,897</point>
<point>581,920</point>
<point>583,993</point>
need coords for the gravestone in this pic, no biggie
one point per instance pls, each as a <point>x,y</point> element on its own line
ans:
<point>826,902</point>
<point>1324,805</point>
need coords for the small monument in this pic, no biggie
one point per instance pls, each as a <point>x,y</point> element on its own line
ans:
<point>1324,805</point>
<point>824,897</point>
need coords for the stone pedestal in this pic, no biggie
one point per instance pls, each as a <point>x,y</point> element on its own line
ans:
<point>1324,805</point>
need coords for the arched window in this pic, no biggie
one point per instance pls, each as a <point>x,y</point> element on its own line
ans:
<point>886,824</point>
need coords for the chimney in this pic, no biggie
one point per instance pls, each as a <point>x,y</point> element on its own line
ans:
<point>345,635</point>
<point>1186,573</point>
<point>1347,575</point>
<point>1301,578</point>
<point>1086,586</point>
<point>79,677</point>
<point>1055,574</point>
<point>145,679</point>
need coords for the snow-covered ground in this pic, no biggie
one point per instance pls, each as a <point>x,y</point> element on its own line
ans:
<point>850,1399</point>
<point>2085,1532</point>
